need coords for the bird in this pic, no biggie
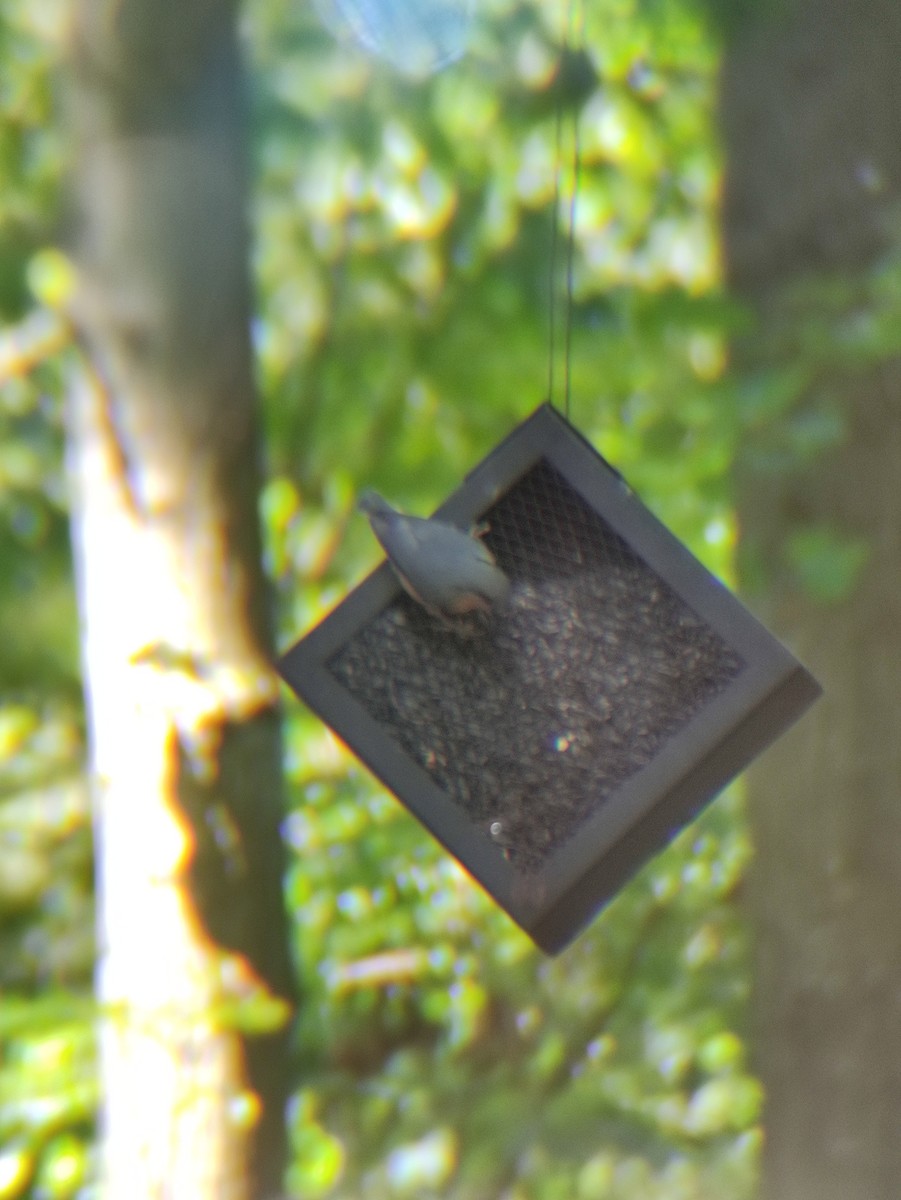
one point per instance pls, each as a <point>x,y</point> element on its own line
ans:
<point>449,572</point>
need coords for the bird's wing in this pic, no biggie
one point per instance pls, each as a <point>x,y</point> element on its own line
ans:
<point>433,535</point>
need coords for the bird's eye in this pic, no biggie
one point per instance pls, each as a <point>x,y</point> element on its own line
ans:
<point>417,37</point>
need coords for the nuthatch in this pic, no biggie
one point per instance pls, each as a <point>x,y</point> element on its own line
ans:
<point>447,571</point>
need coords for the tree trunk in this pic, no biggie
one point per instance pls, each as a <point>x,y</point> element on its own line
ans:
<point>811,110</point>
<point>177,646</point>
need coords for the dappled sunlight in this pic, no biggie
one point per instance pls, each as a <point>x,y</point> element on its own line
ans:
<point>416,208</point>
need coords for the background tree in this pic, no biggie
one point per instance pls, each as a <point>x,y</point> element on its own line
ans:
<point>185,751</point>
<point>811,111</point>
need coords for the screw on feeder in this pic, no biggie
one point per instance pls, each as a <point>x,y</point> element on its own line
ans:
<point>449,572</point>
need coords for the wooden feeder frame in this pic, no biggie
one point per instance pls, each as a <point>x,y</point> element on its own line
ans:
<point>757,690</point>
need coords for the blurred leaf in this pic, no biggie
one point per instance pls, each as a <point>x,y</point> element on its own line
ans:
<point>827,563</point>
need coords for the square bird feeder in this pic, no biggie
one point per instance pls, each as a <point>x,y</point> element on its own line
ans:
<point>556,747</point>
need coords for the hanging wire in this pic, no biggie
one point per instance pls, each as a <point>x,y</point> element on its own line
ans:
<point>574,37</point>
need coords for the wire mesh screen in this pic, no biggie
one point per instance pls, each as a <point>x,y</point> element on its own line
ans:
<point>531,718</point>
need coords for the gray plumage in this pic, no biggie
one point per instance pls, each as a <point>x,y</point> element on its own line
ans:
<point>447,571</point>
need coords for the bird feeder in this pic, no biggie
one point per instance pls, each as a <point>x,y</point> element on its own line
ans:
<point>557,745</point>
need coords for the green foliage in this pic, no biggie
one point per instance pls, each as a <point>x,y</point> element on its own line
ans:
<point>48,1090</point>
<point>405,235</point>
<point>30,143</point>
<point>822,337</point>
<point>827,564</point>
<point>35,582</point>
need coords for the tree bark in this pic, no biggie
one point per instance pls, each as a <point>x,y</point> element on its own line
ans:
<point>181,694</point>
<point>811,112</point>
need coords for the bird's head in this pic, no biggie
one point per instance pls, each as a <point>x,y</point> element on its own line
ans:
<point>374,505</point>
